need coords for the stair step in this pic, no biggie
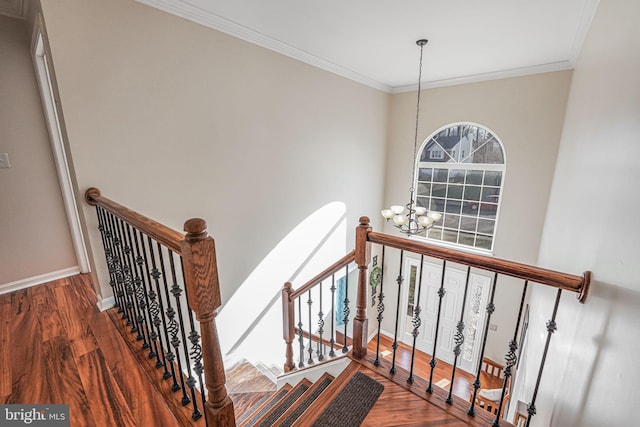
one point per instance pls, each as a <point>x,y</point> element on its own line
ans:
<point>316,408</point>
<point>285,403</point>
<point>245,404</point>
<point>260,411</point>
<point>288,418</point>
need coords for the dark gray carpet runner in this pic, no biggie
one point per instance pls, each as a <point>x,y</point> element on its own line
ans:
<point>352,404</point>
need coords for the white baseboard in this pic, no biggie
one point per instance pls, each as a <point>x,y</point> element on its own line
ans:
<point>106,303</point>
<point>38,280</point>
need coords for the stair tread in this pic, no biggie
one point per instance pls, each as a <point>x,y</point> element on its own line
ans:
<point>316,408</point>
<point>261,410</point>
<point>268,419</point>
<point>245,404</point>
<point>311,395</point>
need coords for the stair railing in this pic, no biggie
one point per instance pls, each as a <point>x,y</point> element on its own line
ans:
<point>320,339</point>
<point>366,238</point>
<point>160,278</point>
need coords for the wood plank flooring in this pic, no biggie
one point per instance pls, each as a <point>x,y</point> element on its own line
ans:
<point>57,347</point>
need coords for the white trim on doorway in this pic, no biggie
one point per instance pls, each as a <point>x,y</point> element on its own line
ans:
<point>45,83</point>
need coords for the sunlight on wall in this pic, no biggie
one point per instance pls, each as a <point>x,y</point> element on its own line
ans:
<point>250,323</point>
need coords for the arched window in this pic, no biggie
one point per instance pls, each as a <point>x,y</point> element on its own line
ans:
<point>460,172</point>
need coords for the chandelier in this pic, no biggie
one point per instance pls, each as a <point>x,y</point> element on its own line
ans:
<point>411,219</point>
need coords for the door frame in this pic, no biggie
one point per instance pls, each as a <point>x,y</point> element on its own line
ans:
<point>42,65</point>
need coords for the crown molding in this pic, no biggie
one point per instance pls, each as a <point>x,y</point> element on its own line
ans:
<point>475,78</point>
<point>588,12</point>
<point>208,19</point>
<point>198,15</point>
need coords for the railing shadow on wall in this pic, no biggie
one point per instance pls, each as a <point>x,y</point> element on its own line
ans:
<point>311,310</point>
<point>160,279</point>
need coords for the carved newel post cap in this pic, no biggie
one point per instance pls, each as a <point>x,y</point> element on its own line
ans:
<point>364,220</point>
<point>195,226</point>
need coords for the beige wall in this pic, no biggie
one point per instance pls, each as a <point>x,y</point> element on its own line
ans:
<point>593,378</point>
<point>526,113</point>
<point>177,120</point>
<point>34,235</point>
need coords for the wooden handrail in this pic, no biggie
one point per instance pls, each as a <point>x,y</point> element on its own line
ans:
<point>288,310</point>
<point>159,232</point>
<point>569,282</point>
<point>336,266</point>
<point>202,288</point>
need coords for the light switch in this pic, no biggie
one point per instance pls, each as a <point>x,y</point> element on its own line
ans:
<point>4,161</point>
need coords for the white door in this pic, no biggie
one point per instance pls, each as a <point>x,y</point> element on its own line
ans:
<point>451,308</point>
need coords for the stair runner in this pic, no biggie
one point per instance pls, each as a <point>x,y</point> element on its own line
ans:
<point>286,406</point>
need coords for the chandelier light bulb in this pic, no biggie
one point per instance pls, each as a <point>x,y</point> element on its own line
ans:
<point>398,210</point>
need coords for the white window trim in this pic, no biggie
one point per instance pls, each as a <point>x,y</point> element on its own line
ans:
<point>464,166</point>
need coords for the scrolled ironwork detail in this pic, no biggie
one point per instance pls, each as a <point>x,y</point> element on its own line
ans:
<point>196,352</point>
<point>458,338</point>
<point>416,322</point>
<point>491,307</point>
<point>380,307</point>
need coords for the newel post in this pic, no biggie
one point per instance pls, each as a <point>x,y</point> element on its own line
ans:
<point>288,323</point>
<point>203,295</point>
<point>363,257</point>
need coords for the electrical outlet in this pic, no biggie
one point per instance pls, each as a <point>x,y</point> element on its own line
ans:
<point>4,161</point>
<point>493,326</point>
<point>375,260</point>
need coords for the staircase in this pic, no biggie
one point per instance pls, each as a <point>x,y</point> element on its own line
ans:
<point>296,404</point>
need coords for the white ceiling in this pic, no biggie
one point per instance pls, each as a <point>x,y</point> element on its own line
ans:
<point>373,41</point>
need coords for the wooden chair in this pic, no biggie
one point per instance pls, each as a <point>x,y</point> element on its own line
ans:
<point>492,377</point>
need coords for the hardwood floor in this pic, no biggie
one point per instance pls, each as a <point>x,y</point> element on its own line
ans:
<point>462,386</point>
<point>57,347</point>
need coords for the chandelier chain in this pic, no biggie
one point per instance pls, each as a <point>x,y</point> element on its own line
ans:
<point>420,43</point>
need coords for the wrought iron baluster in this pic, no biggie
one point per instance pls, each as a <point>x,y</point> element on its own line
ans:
<point>551,328</point>
<point>139,292</point>
<point>127,274</point>
<point>399,281</point>
<point>320,327</point>
<point>109,256</point>
<point>490,309</point>
<point>145,284</point>
<point>196,355</point>
<point>120,276</point>
<point>380,309</point>
<point>155,303</point>
<point>458,338</point>
<point>416,322</point>
<point>346,310</point>
<point>332,341</point>
<point>179,328</point>
<point>433,362</point>
<point>310,349</point>
<point>171,326</point>
<point>511,357</point>
<point>300,333</point>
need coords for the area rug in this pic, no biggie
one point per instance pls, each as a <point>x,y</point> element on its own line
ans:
<point>352,404</point>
